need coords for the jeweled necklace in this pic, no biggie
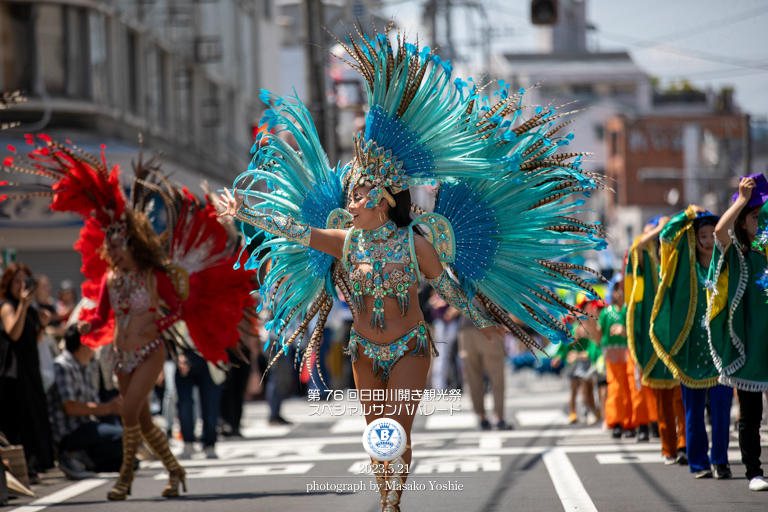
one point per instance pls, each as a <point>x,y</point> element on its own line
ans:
<point>382,232</point>
<point>377,247</point>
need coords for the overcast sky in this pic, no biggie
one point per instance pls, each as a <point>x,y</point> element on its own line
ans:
<point>712,43</point>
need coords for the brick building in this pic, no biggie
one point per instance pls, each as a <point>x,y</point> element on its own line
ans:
<point>658,163</point>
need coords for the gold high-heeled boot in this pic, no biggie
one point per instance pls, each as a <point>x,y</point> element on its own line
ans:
<point>396,475</point>
<point>131,440</point>
<point>176,474</point>
<point>378,472</point>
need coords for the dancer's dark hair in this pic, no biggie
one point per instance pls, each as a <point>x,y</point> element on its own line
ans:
<point>741,232</point>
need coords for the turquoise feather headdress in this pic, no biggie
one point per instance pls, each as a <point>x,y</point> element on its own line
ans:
<point>420,126</point>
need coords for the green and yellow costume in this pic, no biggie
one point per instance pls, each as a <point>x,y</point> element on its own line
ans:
<point>678,329</point>
<point>737,317</point>
<point>640,285</point>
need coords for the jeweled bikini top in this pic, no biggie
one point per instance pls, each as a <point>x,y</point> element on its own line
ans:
<point>129,296</point>
<point>378,248</point>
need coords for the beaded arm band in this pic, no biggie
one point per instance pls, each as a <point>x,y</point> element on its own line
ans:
<point>276,224</point>
<point>449,290</point>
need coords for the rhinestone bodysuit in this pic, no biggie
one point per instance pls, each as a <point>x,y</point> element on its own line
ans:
<point>378,248</point>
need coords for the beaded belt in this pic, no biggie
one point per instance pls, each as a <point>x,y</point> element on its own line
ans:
<point>124,362</point>
<point>386,355</point>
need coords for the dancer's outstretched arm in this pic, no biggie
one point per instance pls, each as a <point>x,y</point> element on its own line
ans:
<point>450,291</point>
<point>330,241</point>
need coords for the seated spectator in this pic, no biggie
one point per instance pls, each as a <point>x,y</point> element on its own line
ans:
<point>73,403</point>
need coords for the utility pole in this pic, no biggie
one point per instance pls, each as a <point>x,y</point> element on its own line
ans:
<point>746,138</point>
<point>691,162</point>
<point>430,17</point>
<point>486,32</point>
<point>318,105</point>
<point>431,10</point>
<point>448,50</point>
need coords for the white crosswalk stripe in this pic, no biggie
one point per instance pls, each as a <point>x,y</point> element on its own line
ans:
<point>242,471</point>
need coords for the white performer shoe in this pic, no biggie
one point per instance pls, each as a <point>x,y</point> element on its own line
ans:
<point>758,484</point>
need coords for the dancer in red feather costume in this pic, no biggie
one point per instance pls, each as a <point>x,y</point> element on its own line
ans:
<point>143,283</point>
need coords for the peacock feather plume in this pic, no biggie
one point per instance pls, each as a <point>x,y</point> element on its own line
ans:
<point>299,183</point>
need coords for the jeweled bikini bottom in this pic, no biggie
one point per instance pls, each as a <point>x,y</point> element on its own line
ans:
<point>385,355</point>
<point>124,362</point>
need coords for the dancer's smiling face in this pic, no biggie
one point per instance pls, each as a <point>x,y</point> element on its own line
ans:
<point>120,257</point>
<point>367,218</point>
<point>705,240</point>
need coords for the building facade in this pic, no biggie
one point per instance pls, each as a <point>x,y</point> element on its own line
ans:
<point>185,74</point>
<point>658,151</point>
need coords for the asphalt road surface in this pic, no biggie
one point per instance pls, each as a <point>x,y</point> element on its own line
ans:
<point>542,465</point>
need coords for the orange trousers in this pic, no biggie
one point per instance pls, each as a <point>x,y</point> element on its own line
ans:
<point>671,420</point>
<point>626,405</point>
<point>652,403</point>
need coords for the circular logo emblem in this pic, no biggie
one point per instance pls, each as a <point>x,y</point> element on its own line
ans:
<point>384,439</point>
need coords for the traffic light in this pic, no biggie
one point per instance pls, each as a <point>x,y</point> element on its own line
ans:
<point>543,12</point>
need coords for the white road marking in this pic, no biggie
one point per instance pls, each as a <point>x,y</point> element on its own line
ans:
<point>474,437</point>
<point>568,486</point>
<point>62,495</point>
<point>418,454</point>
<point>490,442</point>
<point>453,464</point>
<point>294,410</point>
<point>628,458</point>
<point>241,471</point>
<point>448,421</point>
<point>600,440</point>
<point>427,444</point>
<point>643,458</point>
<point>466,464</point>
<point>541,418</point>
<point>273,451</point>
<point>348,426</point>
<point>262,428</point>
<point>619,447</point>
<point>514,400</point>
<point>352,455</point>
<point>255,447</point>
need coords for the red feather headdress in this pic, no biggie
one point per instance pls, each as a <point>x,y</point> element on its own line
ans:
<point>79,183</point>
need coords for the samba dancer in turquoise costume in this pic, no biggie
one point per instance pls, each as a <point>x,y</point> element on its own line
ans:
<point>500,217</point>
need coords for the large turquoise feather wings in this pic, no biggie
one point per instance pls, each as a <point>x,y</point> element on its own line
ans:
<point>301,183</point>
<point>508,237</point>
<point>506,187</point>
